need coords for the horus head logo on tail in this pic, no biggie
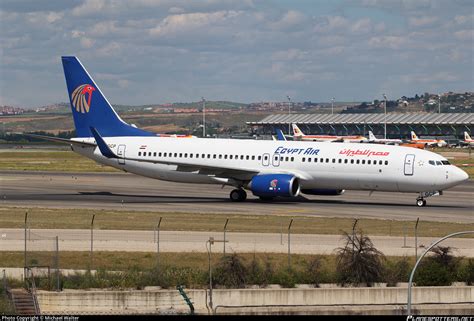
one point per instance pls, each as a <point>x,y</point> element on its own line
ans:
<point>78,98</point>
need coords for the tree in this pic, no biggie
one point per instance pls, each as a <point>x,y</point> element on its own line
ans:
<point>439,269</point>
<point>358,261</point>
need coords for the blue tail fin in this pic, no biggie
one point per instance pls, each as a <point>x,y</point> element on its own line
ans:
<point>89,106</point>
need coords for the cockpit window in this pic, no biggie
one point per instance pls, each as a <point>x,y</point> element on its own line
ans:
<point>445,162</point>
<point>438,163</point>
<point>431,162</point>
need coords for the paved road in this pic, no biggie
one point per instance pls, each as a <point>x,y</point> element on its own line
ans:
<point>131,192</point>
<point>181,241</point>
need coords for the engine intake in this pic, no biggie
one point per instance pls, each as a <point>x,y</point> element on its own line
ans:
<point>273,185</point>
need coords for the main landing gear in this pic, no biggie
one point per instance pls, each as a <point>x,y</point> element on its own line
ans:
<point>238,195</point>
<point>420,200</point>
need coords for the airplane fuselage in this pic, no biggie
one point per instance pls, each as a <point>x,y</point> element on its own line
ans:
<point>322,165</point>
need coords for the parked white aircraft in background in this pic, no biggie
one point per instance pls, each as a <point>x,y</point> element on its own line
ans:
<point>428,142</point>
<point>268,169</point>
<point>468,140</point>
<point>299,135</point>
<point>373,139</point>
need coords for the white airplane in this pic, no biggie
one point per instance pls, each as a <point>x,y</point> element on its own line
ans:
<point>428,142</point>
<point>373,139</point>
<point>468,140</point>
<point>267,168</point>
<point>299,135</point>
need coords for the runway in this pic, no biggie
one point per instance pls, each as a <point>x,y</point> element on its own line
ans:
<point>130,192</point>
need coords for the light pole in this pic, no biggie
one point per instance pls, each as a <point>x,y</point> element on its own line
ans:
<point>385,116</point>
<point>410,281</point>
<point>289,104</point>
<point>203,117</point>
<point>332,105</point>
<point>209,252</point>
<point>439,103</point>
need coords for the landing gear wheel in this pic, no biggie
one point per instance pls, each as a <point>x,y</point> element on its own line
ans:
<point>238,195</point>
<point>420,202</point>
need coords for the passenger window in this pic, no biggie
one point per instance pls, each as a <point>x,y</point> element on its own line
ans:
<point>327,160</point>
<point>231,156</point>
<point>386,162</point>
<point>220,156</point>
<point>368,162</point>
<point>266,157</point>
<point>197,155</point>
<point>333,160</point>
<point>345,161</point>
<point>287,158</point>
<point>292,159</point>
<point>242,157</point>
<point>309,160</point>
<point>340,161</point>
<point>303,159</point>
<point>191,155</point>
<point>352,161</point>
<point>253,157</point>
<point>247,157</point>
<point>159,154</point>
<point>180,155</point>
<point>208,155</point>
<point>139,153</point>
<point>315,160</point>
<point>154,154</point>
<point>375,162</point>
<point>380,162</point>
<point>357,162</point>
<point>164,154</point>
<point>175,154</point>
<point>214,156</point>
<point>225,156</point>
<point>185,155</point>
<point>259,157</point>
<point>203,155</point>
<point>363,162</point>
<point>149,153</point>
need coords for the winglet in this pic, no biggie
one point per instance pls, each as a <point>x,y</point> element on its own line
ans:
<point>280,135</point>
<point>103,147</point>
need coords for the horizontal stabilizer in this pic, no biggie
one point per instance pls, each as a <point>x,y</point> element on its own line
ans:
<point>62,140</point>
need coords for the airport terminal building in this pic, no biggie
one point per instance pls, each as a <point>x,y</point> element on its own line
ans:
<point>398,125</point>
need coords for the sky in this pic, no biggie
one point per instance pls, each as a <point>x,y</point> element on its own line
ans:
<point>159,51</point>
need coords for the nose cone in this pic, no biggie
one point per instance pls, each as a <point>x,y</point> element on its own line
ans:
<point>459,176</point>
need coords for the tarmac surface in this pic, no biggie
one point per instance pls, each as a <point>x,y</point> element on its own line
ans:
<point>187,241</point>
<point>123,191</point>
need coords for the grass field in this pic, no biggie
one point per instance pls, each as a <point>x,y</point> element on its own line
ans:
<point>36,160</point>
<point>45,218</point>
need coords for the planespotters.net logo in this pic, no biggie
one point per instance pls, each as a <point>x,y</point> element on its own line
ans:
<point>78,98</point>
<point>439,318</point>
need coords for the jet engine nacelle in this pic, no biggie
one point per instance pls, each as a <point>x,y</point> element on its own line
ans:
<point>322,191</point>
<point>273,185</point>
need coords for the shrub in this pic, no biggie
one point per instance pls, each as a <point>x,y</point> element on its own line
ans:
<point>230,272</point>
<point>439,269</point>
<point>314,271</point>
<point>358,261</point>
<point>466,272</point>
<point>397,271</point>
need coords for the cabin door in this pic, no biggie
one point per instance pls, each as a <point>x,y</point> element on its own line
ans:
<point>409,164</point>
<point>121,154</point>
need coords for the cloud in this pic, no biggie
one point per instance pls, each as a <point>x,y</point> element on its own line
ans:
<point>467,34</point>
<point>391,42</point>
<point>182,23</point>
<point>422,21</point>
<point>289,21</point>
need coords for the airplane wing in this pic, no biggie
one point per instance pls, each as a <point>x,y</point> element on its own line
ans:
<point>62,140</point>
<point>218,171</point>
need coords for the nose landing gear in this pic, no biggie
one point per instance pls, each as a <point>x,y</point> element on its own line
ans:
<point>420,200</point>
<point>238,195</point>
